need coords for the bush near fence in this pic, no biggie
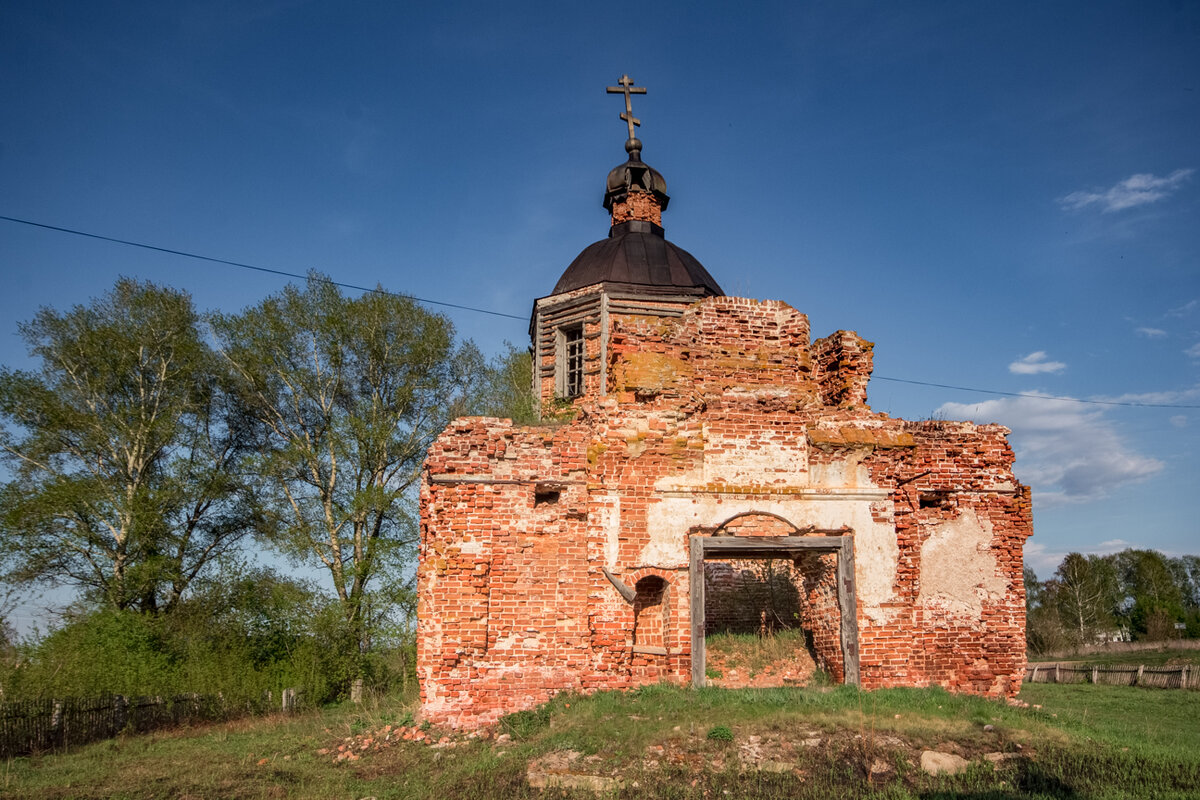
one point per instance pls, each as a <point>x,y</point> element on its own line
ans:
<point>32,726</point>
<point>1185,676</point>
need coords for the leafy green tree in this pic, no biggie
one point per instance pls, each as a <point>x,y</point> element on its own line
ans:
<point>124,452</point>
<point>1086,595</point>
<point>1044,629</point>
<point>507,390</point>
<point>240,633</point>
<point>1152,596</point>
<point>103,651</point>
<point>351,391</point>
<point>1035,591</point>
<point>1185,570</point>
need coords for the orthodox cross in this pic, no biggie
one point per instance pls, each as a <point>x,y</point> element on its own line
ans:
<point>627,88</point>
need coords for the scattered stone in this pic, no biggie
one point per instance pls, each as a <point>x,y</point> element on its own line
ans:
<point>558,769</point>
<point>937,763</point>
<point>998,759</point>
<point>776,766</point>
<point>989,728</point>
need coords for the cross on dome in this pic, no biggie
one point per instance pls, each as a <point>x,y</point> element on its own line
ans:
<point>627,88</point>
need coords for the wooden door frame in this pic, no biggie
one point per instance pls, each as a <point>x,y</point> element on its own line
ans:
<point>701,548</point>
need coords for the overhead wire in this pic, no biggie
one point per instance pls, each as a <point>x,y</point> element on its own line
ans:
<point>269,270</point>
<point>1129,404</point>
<point>461,307</point>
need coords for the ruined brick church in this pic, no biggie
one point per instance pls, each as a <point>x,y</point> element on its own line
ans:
<point>685,429</point>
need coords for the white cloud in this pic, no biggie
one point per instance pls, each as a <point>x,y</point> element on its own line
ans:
<point>1184,309</point>
<point>1179,420</point>
<point>1193,351</point>
<point>1151,333</point>
<point>1136,190</point>
<point>1068,452</point>
<point>1035,363</point>
<point>1172,397</point>
<point>1040,560</point>
<point>1045,561</point>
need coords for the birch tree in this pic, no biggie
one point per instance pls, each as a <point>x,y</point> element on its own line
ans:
<point>351,392</point>
<point>1087,594</point>
<point>123,452</point>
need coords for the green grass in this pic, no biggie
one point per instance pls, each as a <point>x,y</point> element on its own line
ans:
<point>1162,722</point>
<point>751,653</point>
<point>1084,742</point>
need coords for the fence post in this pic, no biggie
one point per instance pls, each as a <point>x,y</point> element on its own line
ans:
<point>1057,674</point>
<point>1035,672</point>
<point>1095,675</point>
<point>1183,676</point>
<point>289,700</point>
<point>120,713</point>
<point>56,724</point>
<point>356,691</point>
<point>1138,680</point>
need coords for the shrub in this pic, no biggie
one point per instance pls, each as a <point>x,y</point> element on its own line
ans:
<point>720,733</point>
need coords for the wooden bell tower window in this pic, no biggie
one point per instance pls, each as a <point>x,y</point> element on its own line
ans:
<point>571,361</point>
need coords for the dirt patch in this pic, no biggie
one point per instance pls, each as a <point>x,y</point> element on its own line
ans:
<point>874,758</point>
<point>753,662</point>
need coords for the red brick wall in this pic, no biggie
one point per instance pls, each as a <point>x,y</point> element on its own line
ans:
<point>721,413</point>
<point>637,205</point>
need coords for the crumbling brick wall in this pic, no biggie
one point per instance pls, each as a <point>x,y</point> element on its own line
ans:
<point>556,558</point>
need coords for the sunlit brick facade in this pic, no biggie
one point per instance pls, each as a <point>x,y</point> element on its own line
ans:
<point>566,556</point>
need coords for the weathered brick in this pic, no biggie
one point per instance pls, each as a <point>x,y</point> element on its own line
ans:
<point>713,417</point>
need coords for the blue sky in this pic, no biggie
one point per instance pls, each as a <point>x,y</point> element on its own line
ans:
<point>1000,195</point>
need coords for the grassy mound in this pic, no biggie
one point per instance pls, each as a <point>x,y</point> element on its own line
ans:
<point>667,742</point>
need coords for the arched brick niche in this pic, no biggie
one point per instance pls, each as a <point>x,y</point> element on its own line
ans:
<point>651,615</point>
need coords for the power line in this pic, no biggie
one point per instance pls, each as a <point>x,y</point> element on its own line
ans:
<point>242,265</point>
<point>1036,396</point>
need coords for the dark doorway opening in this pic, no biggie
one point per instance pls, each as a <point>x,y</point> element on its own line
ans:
<point>819,566</point>
<point>758,628</point>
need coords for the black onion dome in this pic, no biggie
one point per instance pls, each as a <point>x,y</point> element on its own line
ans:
<point>636,253</point>
<point>637,176</point>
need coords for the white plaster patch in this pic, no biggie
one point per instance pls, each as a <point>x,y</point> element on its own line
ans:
<point>843,472</point>
<point>470,546</point>
<point>958,567</point>
<point>606,513</point>
<point>765,459</point>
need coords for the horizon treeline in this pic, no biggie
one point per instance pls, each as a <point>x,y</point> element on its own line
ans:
<point>1133,595</point>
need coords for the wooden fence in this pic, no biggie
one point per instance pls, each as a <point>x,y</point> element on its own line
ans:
<point>1185,676</point>
<point>37,725</point>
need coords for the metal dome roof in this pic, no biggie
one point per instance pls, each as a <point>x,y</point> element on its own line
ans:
<point>637,253</point>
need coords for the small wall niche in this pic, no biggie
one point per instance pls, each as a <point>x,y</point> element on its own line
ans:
<point>546,494</point>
